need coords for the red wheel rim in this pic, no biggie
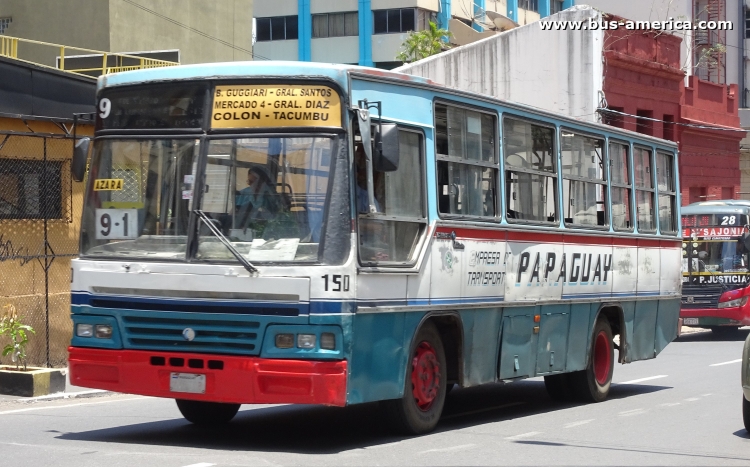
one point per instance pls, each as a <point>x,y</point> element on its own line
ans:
<point>602,362</point>
<point>425,376</point>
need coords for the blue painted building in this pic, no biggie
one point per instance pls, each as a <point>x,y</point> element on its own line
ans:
<point>370,32</point>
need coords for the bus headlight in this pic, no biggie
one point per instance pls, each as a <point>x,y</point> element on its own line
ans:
<point>85,330</point>
<point>284,341</point>
<point>306,341</point>
<point>103,331</point>
<point>733,303</point>
<point>328,341</point>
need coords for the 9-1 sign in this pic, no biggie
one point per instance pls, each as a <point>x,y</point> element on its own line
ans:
<point>116,224</point>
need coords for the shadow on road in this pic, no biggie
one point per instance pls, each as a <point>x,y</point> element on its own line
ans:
<point>709,336</point>
<point>327,430</point>
<point>742,434</point>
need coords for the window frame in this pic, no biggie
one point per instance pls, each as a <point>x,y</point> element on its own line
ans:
<point>652,190</point>
<point>630,185</point>
<point>400,18</point>
<point>555,175</point>
<point>423,219</point>
<point>328,24</point>
<point>445,158</point>
<point>669,192</point>
<point>270,19</point>
<point>603,182</point>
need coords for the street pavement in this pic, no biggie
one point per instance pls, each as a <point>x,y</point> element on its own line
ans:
<point>682,408</point>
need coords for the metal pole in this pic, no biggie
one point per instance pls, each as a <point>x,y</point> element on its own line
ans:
<point>46,259</point>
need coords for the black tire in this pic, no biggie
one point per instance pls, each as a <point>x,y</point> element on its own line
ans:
<point>593,383</point>
<point>558,387</point>
<point>746,413</point>
<point>408,415</point>
<point>207,413</point>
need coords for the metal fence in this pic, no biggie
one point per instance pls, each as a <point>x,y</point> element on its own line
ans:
<point>40,212</point>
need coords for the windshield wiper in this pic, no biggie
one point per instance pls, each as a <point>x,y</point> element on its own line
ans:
<point>217,233</point>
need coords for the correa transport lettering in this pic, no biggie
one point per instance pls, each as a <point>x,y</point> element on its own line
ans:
<point>273,106</point>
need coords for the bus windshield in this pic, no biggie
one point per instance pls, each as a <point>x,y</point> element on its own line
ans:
<point>716,256</point>
<point>267,196</point>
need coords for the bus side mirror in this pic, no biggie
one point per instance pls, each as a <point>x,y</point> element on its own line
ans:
<point>80,155</point>
<point>386,153</point>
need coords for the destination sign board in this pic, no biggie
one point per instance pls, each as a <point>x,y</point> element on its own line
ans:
<point>151,107</point>
<point>713,232</point>
<point>274,106</point>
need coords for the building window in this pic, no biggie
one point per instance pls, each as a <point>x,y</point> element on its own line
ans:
<point>467,165</point>
<point>747,24</point>
<point>668,130</point>
<point>4,23</point>
<point>529,5</point>
<point>613,118</point>
<point>395,20</point>
<point>555,6</point>
<point>30,189</point>
<point>277,28</point>
<point>335,24</point>
<point>644,123</point>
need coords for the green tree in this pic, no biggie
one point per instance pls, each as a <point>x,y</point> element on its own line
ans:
<point>422,44</point>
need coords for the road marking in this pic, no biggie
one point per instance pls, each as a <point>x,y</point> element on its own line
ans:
<point>670,404</point>
<point>643,379</point>
<point>706,395</point>
<point>200,464</point>
<point>32,409</point>
<point>727,363</point>
<point>450,449</point>
<point>628,413</point>
<point>524,435</point>
<point>693,399</point>
<point>582,422</point>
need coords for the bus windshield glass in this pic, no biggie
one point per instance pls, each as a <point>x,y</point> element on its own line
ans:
<point>267,196</point>
<point>716,256</point>
<point>139,198</point>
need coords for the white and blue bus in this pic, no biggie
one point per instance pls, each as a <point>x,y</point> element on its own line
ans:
<point>328,234</point>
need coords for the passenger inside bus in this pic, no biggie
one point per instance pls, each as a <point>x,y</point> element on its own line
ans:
<point>256,202</point>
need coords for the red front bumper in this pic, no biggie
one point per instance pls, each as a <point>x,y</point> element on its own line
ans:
<point>242,380</point>
<point>739,314</point>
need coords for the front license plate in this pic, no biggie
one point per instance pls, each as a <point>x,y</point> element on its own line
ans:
<point>689,321</point>
<point>187,382</point>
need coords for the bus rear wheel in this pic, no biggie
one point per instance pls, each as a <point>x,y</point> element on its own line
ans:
<point>207,413</point>
<point>593,383</point>
<point>419,410</point>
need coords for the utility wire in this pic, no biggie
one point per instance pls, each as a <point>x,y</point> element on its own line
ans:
<point>192,29</point>
<point>691,125</point>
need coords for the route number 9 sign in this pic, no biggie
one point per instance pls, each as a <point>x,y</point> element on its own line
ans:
<point>116,224</point>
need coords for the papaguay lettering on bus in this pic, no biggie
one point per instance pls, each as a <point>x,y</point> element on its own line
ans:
<point>563,268</point>
<point>274,106</point>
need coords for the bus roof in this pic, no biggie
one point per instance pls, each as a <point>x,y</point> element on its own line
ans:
<point>340,74</point>
<point>739,206</point>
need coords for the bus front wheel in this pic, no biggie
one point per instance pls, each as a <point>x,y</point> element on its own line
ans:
<point>593,383</point>
<point>207,413</point>
<point>419,410</point>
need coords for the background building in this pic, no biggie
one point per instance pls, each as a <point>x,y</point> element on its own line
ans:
<point>202,31</point>
<point>633,81</point>
<point>370,32</point>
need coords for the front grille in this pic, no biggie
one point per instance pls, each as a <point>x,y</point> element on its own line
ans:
<point>211,334</point>
<point>696,296</point>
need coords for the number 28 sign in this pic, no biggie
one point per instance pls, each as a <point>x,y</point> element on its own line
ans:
<point>116,224</point>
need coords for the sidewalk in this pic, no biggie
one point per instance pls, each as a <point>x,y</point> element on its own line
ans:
<point>70,392</point>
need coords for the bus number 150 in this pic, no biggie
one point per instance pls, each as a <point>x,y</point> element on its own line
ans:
<point>339,283</point>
